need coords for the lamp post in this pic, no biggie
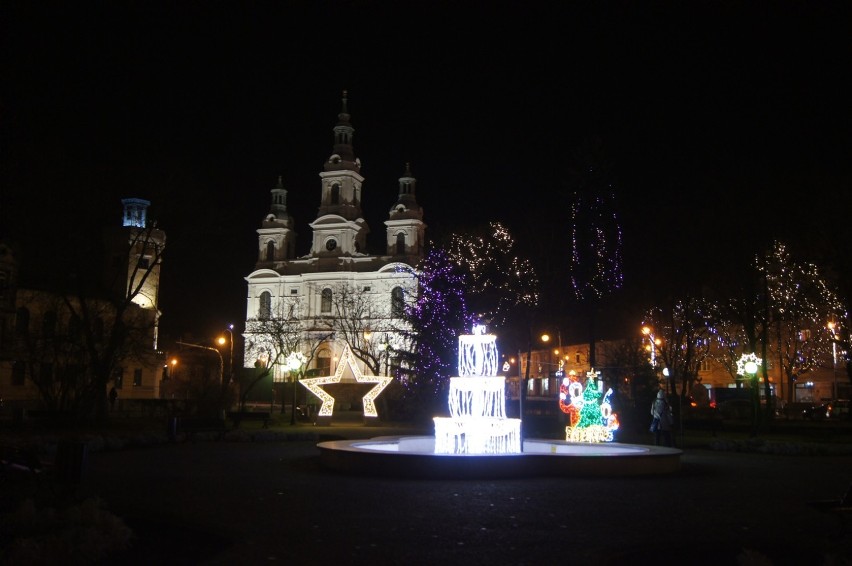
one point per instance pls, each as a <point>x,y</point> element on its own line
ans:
<point>747,366</point>
<point>294,363</point>
<point>652,344</point>
<point>230,331</point>
<point>384,349</point>
<point>218,353</point>
<point>831,328</point>
<point>560,354</point>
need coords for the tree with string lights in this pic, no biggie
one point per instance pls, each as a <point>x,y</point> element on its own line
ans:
<point>595,262</point>
<point>433,321</point>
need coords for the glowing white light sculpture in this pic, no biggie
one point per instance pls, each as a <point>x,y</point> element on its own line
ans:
<point>314,385</point>
<point>477,403</point>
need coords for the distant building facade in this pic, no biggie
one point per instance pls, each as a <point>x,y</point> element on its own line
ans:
<point>41,346</point>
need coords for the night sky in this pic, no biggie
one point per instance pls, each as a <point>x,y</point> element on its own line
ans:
<point>726,124</point>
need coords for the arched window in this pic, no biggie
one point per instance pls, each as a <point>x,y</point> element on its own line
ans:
<point>400,244</point>
<point>323,362</point>
<point>48,324</point>
<point>265,310</point>
<point>325,306</point>
<point>335,194</point>
<point>22,321</point>
<point>270,250</point>
<point>397,302</point>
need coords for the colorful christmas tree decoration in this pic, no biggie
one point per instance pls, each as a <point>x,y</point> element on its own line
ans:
<point>589,421</point>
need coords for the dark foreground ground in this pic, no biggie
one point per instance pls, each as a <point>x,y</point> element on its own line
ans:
<point>260,502</point>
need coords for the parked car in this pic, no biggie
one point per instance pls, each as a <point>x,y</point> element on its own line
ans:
<point>798,409</point>
<point>817,412</point>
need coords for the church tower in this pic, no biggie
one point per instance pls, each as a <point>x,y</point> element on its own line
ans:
<point>405,227</point>
<point>134,254</point>
<point>339,228</point>
<point>276,237</point>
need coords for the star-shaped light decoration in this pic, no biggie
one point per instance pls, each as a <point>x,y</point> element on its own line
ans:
<point>747,365</point>
<point>314,385</point>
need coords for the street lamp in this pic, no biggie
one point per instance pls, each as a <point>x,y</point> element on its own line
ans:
<point>384,348</point>
<point>218,353</point>
<point>559,353</point>
<point>652,344</point>
<point>230,331</point>
<point>831,328</point>
<point>294,363</point>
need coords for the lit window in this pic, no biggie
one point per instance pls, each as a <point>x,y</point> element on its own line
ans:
<point>397,302</point>
<point>325,306</point>
<point>265,310</point>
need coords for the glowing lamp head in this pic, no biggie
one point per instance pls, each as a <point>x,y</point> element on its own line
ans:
<point>751,368</point>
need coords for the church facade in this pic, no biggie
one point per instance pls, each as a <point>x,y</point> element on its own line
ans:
<point>339,295</point>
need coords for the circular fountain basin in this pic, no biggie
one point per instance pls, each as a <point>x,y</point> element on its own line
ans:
<point>415,457</point>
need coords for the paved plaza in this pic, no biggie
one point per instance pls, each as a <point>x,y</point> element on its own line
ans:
<point>261,502</point>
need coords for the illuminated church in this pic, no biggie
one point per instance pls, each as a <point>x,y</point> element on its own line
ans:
<point>339,294</point>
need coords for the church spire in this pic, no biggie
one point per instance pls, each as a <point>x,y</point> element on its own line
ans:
<point>344,155</point>
<point>279,201</point>
<point>406,203</point>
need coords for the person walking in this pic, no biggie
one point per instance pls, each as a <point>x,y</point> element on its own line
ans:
<point>113,395</point>
<point>662,420</point>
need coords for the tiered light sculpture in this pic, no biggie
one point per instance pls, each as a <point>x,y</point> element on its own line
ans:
<point>477,403</point>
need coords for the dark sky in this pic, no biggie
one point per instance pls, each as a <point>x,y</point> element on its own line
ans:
<point>726,124</point>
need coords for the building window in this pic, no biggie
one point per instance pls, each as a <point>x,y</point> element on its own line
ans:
<point>400,244</point>
<point>324,362</point>
<point>137,377</point>
<point>265,311</point>
<point>22,321</point>
<point>397,302</point>
<point>335,194</point>
<point>577,358</point>
<point>325,306</point>
<point>19,373</point>
<point>294,291</point>
<point>144,262</point>
<point>118,377</point>
<point>270,250</point>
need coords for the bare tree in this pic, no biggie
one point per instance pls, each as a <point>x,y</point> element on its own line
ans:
<point>94,323</point>
<point>270,340</point>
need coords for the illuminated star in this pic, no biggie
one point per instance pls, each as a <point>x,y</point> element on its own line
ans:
<point>314,385</point>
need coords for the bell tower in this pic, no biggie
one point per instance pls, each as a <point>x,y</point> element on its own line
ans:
<point>340,228</point>
<point>405,227</point>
